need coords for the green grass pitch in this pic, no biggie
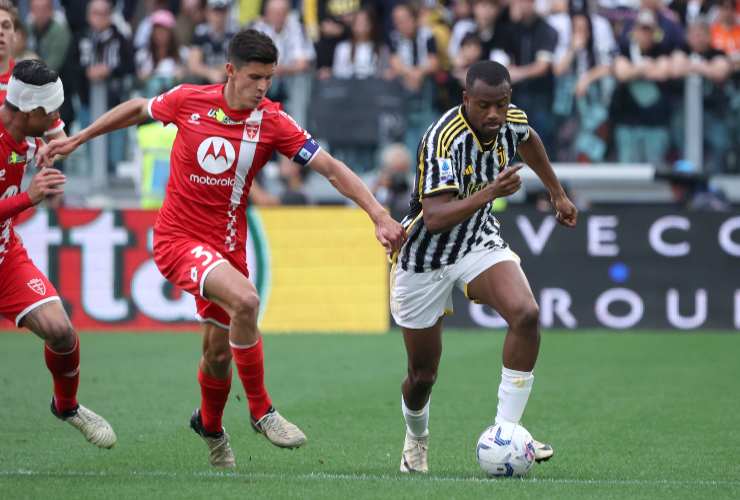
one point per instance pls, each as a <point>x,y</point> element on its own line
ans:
<point>631,415</point>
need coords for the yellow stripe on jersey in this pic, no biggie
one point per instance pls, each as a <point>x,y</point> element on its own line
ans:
<point>446,130</point>
<point>516,116</point>
<point>421,166</point>
<point>452,136</point>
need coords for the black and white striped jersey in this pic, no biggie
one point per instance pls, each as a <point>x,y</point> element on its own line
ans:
<point>451,158</point>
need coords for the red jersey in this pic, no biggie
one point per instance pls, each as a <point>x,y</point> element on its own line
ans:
<point>58,125</point>
<point>216,154</point>
<point>13,159</point>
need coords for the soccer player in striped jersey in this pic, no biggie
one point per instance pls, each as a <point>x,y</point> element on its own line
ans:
<point>453,239</point>
<point>225,135</point>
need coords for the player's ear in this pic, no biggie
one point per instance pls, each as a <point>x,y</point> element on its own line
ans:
<point>230,69</point>
<point>465,98</point>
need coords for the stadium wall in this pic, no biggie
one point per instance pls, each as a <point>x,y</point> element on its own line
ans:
<point>321,270</point>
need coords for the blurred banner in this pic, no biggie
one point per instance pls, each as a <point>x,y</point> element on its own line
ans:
<point>626,267</point>
<point>316,269</point>
<point>321,270</point>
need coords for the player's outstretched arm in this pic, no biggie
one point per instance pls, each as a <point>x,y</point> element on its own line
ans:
<point>388,232</point>
<point>132,112</point>
<point>533,153</point>
<point>47,182</point>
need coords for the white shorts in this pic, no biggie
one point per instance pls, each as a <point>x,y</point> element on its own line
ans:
<point>418,300</point>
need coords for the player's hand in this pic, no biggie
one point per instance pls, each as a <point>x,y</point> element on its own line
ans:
<point>47,182</point>
<point>506,183</point>
<point>47,152</point>
<point>390,234</point>
<point>565,211</point>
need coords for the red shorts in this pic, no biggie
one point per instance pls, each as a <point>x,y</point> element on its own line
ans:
<point>186,262</point>
<point>23,287</point>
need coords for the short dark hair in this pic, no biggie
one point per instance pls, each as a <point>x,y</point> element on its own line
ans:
<point>491,72</point>
<point>250,45</point>
<point>34,72</point>
<point>11,9</point>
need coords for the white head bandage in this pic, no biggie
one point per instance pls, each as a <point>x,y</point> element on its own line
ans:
<point>27,97</point>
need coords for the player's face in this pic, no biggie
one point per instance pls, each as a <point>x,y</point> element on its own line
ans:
<point>250,82</point>
<point>486,107</point>
<point>39,121</point>
<point>7,34</point>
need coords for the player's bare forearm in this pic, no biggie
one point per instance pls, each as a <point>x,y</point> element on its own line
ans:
<point>533,153</point>
<point>132,112</point>
<point>444,211</point>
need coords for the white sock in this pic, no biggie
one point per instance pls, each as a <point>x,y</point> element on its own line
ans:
<point>513,394</point>
<point>417,421</point>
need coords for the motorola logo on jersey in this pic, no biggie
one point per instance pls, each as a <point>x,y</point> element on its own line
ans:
<point>216,155</point>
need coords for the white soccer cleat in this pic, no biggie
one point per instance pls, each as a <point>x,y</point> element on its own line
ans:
<point>94,427</point>
<point>219,449</point>
<point>279,431</point>
<point>415,454</point>
<point>542,451</point>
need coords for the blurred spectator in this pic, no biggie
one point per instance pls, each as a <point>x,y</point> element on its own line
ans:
<point>689,11</point>
<point>726,31</point>
<point>529,46</point>
<point>669,33</point>
<point>159,65</point>
<point>249,10</point>
<point>459,10</point>
<point>640,108</point>
<point>208,53</point>
<point>363,55</point>
<point>580,72</point>
<point>328,23</point>
<point>292,82</point>
<point>714,67</point>
<point>48,37</point>
<point>413,60</point>
<point>192,13</point>
<point>21,51</point>
<point>392,186</point>
<point>106,57</point>
<point>431,16</point>
<point>488,19</point>
<point>144,28</point>
<point>471,51</point>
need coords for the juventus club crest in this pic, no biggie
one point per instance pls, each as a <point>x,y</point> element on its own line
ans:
<point>37,285</point>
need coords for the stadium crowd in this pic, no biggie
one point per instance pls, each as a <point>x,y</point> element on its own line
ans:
<point>601,80</point>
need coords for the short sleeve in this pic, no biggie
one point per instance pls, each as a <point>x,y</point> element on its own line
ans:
<point>517,121</point>
<point>294,142</point>
<point>437,170</point>
<point>165,106</point>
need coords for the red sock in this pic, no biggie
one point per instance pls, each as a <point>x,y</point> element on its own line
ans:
<point>250,366</point>
<point>65,371</point>
<point>214,392</point>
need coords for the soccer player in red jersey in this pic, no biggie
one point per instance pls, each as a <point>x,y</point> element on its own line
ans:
<point>8,21</point>
<point>34,94</point>
<point>226,133</point>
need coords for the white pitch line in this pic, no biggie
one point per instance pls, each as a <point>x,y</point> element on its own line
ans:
<point>321,476</point>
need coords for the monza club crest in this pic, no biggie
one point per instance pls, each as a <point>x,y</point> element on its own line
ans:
<point>37,285</point>
<point>252,130</point>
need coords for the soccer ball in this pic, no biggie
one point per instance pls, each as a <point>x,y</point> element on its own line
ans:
<point>505,449</point>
